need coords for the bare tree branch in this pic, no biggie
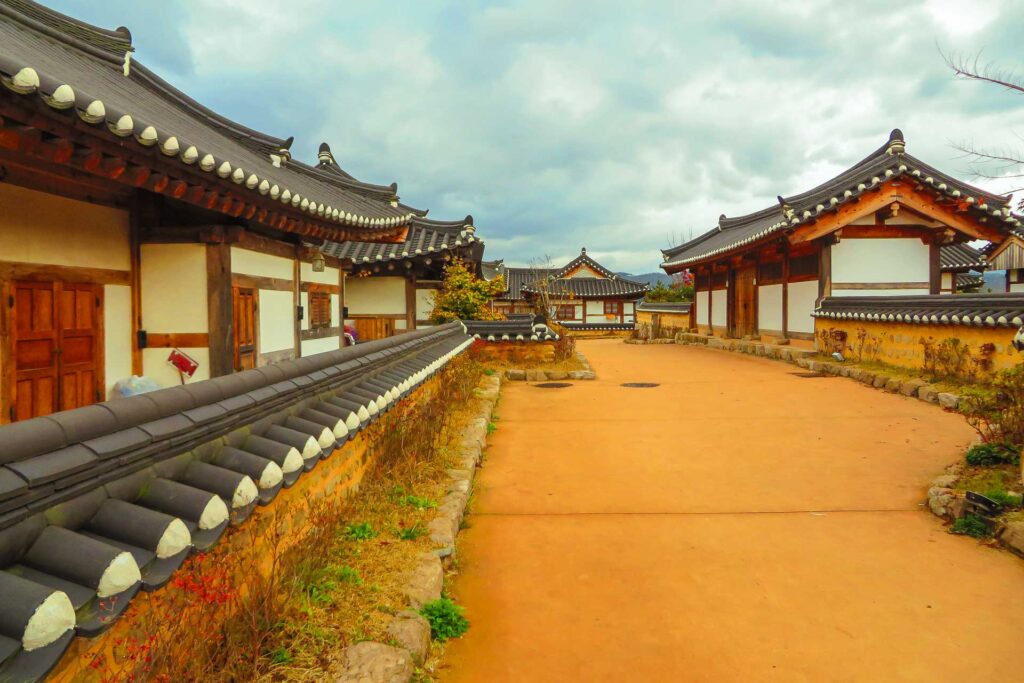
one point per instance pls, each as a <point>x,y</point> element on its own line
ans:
<point>973,69</point>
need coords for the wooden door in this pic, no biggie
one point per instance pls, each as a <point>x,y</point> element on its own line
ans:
<point>57,340</point>
<point>744,291</point>
<point>245,310</point>
<point>368,329</point>
<point>80,334</point>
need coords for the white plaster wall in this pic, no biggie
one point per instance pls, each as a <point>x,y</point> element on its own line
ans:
<point>154,361</point>
<point>36,227</point>
<point>947,281</point>
<point>117,333</point>
<point>702,308</point>
<point>879,260</point>
<point>277,330</point>
<point>330,276</point>
<point>879,292</point>
<point>424,303</point>
<point>769,307</point>
<point>719,300</point>
<point>248,262</point>
<point>375,295</point>
<point>311,347</point>
<point>802,297</point>
<point>174,288</point>
<point>401,325</point>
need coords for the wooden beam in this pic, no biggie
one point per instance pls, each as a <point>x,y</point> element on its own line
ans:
<point>935,268</point>
<point>824,271</point>
<point>257,282</point>
<point>14,270</point>
<point>879,285</point>
<point>410,302</point>
<point>297,299</point>
<point>178,340</point>
<point>220,309</point>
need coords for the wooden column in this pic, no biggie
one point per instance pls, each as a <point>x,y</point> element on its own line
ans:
<point>785,290</point>
<point>824,271</point>
<point>135,246</point>
<point>297,301</point>
<point>935,269</point>
<point>341,306</point>
<point>220,309</point>
<point>410,302</point>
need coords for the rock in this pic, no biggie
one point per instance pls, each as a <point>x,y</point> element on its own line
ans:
<point>557,374</point>
<point>803,362</point>
<point>424,583</point>
<point>411,631</point>
<point>928,393</point>
<point>948,400</point>
<point>536,376</point>
<point>893,384</point>
<point>459,486</point>
<point>912,386</point>
<point>940,499</point>
<point>844,371</point>
<point>459,474</point>
<point>582,374</point>
<point>369,662</point>
<point>785,354</point>
<point>880,381</point>
<point>945,481</point>
<point>1012,536</point>
<point>516,375</point>
<point>442,534</point>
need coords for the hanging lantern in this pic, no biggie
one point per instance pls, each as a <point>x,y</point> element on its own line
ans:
<point>319,262</point>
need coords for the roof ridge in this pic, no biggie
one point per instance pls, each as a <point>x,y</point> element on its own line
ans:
<point>109,44</point>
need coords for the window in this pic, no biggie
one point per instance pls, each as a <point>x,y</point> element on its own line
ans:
<point>319,310</point>
<point>613,308</point>
<point>565,312</point>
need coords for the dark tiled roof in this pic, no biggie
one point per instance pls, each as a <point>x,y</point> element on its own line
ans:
<point>72,66</point>
<point>979,310</point>
<point>517,278</point>
<point>584,260</point>
<point>570,325</point>
<point>959,256</point>
<point>593,287</point>
<point>665,306</point>
<point>522,328</point>
<point>99,502</point>
<point>888,162</point>
<point>426,237</point>
<point>966,281</point>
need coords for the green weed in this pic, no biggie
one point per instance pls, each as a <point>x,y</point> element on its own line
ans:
<point>411,533</point>
<point>419,503</point>
<point>359,532</point>
<point>971,525</point>
<point>446,619</point>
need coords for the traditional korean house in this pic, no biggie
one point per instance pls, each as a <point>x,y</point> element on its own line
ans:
<point>582,294</point>
<point>136,222</point>
<point>392,285</point>
<point>962,266</point>
<point>876,229</point>
<point>1009,256</point>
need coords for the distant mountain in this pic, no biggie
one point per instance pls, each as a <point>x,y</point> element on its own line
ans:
<point>650,278</point>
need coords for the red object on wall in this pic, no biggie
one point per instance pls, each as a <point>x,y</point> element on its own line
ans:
<point>183,363</point>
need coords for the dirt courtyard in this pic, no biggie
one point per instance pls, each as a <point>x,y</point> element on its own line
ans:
<point>738,522</point>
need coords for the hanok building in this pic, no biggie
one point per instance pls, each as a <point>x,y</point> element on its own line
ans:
<point>876,229</point>
<point>1009,256</point>
<point>582,294</point>
<point>960,263</point>
<point>136,221</point>
<point>392,285</point>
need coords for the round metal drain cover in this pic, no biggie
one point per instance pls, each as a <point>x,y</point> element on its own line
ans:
<point>552,385</point>
<point>640,385</point>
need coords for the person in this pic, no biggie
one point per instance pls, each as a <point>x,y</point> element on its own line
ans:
<point>351,336</point>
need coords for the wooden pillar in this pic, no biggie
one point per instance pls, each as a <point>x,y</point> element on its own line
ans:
<point>341,306</point>
<point>410,302</point>
<point>711,308</point>
<point>935,269</point>
<point>297,299</point>
<point>824,271</point>
<point>785,290</point>
<point>135,247</point>
<point>220,309</point>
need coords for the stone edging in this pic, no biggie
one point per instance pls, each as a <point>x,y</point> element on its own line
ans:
<point>804,358</point>
<point>948,504</point>
<point>587,373</point>
<point>372,662</point>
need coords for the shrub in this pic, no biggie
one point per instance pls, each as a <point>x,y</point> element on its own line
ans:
<point>988,454</point>
<point>359,532</point>
<point>997,411</point>
<point>971,525</point>
<point>446,619</point>
<point>1004,498</point>
<point>464,296</point>
<point>565,347</point>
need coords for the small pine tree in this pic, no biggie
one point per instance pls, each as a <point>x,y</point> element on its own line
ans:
<point>464,296</point>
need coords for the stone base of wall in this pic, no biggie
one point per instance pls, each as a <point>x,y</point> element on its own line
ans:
<point>514,352</point>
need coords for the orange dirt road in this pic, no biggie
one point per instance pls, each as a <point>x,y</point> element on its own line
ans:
<point>736,523</point>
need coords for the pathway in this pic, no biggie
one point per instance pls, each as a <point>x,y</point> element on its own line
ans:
<point>736,523</point>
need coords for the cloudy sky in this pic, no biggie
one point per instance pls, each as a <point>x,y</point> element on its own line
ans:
<point>622,127</point>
